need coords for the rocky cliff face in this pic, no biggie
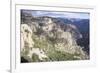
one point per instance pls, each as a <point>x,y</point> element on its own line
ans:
<point>48,39</point>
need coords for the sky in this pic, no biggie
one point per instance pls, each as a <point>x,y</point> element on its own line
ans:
<point>59,14</point>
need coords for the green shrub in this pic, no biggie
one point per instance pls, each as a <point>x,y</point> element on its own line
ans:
<point>61,56</point>
<point>35,58</point>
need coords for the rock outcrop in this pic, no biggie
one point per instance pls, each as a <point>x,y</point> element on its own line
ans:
<point>47,39</point>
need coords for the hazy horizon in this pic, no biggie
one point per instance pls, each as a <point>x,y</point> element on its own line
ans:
<point>59,14</point>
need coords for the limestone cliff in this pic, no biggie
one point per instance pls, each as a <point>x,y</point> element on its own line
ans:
<point>44,39</point>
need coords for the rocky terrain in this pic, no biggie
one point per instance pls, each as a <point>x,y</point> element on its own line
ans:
<point>49,39</point>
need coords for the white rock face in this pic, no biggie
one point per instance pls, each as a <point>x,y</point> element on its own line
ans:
<point>39,52</point>
<point>26,36</point>
<point>68,36</point>
<point>55,37</point>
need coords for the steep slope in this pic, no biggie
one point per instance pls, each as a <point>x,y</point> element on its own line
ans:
<point>46,39</point>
